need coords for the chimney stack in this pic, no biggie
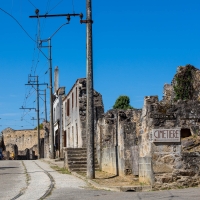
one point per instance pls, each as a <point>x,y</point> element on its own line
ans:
<point>56,79</point>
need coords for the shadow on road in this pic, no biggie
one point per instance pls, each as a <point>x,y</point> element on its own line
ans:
<point>3,168</point>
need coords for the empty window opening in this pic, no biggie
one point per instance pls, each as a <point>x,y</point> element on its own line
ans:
<point>72,136</point>
<point>72,99</point>
<point>185,133</point>
<point>65,108</point>
<point>68,104</point>
<point>65,138</point>
<point>76,97</point>
<point>68,138</point>
<point>76,135</point>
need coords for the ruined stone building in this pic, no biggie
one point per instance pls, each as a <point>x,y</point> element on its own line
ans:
<point>59,93</point>
<point>160,142</point>
<point>21,141</point>
<point>69,114</point>
<point>117,141</point>
<point>58,120</point>
<point>74,114</point>
<point>169,142</point>
<point>2,145</point>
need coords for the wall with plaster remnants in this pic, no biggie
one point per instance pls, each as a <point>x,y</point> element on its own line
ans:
<point>117,141</point>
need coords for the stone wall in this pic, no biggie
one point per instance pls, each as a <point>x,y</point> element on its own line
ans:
<point>98,108</point>
<point>20,140</point>
<point>161,160</point>
<point>2,145</point>
<point>117,141</point>
<point>173,164</point>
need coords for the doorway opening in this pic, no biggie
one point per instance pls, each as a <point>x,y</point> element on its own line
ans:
<point>185,132</point>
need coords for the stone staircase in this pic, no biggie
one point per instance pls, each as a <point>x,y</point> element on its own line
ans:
<point>76,159</point>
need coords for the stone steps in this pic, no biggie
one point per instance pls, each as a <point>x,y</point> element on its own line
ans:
<point>75,166</point>
<point>74,155</point>
<point>80,162</point>
<point>77,159</point>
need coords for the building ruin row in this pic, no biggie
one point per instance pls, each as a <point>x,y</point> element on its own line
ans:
<point>160,143</point>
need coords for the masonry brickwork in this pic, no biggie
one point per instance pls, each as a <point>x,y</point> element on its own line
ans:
<point>168,164</point>
<point>19,141</point>
<point>117,141</point>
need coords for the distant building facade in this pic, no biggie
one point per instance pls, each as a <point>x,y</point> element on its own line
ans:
<point>20,141</point>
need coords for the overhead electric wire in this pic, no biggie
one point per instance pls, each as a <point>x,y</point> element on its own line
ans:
<point>55,6</point>
<point>18,24</point>
<point>47,7</point>
<point>32,4</point>
<point>73,6</point>
<point>29,92</point>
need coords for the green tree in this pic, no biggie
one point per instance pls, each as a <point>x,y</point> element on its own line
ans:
<point>40,126</point>
<point>122,102</point>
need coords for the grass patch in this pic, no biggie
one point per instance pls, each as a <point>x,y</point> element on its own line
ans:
<point>60,170</point>
<point>28,178</point>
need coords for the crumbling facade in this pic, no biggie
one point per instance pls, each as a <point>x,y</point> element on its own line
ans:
<point>169,135</point>
<point>117,141</point>
<point>24,142</point>
<point>58,120</point>
<point>74,114</point>
<point>2,145</point>
<point>160,142</point>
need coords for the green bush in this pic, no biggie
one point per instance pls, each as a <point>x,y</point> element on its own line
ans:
<point>183,87</point>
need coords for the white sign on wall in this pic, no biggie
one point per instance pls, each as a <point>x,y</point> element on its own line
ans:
<point>166,135</point>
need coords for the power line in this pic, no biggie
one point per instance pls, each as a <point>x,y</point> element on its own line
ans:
<point>47,7</point>
<point>54,7</point>
<point>73,6</point>
<point>32,4</point>
<point>18,24</point>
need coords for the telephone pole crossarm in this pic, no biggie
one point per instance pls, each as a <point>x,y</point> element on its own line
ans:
<point>36,84</point>
<point>27,108</point>
<point>55,15</point>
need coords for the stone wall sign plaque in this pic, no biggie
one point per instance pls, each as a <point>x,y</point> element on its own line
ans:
<point>166,135</point>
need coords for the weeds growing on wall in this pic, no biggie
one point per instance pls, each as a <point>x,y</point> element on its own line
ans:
<point>183,87</point>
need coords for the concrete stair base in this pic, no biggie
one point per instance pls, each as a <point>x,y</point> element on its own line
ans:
<point>76,159</point>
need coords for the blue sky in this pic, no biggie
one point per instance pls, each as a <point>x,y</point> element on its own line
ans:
<point>137,47</point>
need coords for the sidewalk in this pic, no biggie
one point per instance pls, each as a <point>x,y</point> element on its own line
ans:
<point>105,181</point>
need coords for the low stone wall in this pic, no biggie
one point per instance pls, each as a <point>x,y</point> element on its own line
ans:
<point>185,172</point>
<point>9,149</point>
<point>108,160</point>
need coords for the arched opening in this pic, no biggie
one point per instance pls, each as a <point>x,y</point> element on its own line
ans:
<point>185,132</point>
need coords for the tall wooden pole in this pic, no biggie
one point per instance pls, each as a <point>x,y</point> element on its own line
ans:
<point>51,104</point>
<point>38,117</point>
<point>90,103</point>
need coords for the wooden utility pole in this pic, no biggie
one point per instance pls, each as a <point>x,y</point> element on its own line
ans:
<point>90,102</point>
<point>38,117</point>
<point>36,83</point>
<point>51,104</point>
<point>50,71</point>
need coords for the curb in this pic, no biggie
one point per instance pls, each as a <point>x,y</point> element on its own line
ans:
<point>114,188</point>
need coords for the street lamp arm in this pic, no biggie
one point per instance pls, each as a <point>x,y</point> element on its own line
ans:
<point>58,29</point>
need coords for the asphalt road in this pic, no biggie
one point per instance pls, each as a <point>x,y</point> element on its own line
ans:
<point>32,180</point>
<point>12,179</point>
